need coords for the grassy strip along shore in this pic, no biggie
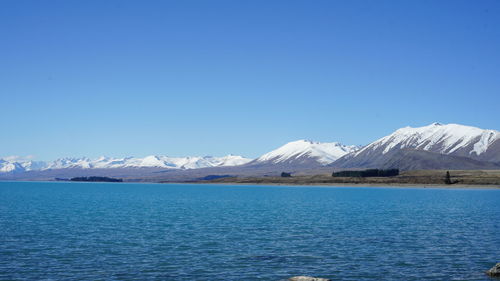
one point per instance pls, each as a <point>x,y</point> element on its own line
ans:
<point>489,178</point>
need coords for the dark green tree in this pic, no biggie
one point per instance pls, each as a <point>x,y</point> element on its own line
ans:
<point>447,179</point>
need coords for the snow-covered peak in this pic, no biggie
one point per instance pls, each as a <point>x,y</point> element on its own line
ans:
<point>232,160</point>
<point>436,137</point>
<point>150,161</point>
<point>69,162</point>
<point>324,153</point>
<point>195,162</point>
<point>7,166</point>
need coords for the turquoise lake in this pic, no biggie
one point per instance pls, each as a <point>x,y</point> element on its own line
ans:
<point>121,231</point>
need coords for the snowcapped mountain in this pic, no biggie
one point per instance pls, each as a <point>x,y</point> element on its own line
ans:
<point>128,162</point>
<point>230,160</point>
<point>15,166</point>
<point>304,152</point>
<point>451,139</point>
<point>436,146</point>
<point>8,166</point>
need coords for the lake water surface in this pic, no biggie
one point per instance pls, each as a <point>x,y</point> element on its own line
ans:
<point>104,231</point>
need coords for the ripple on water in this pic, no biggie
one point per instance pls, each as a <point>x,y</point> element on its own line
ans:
<point>67,231</point>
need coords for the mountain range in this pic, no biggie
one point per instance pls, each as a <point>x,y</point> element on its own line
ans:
<point>127,162</point>
<point>436,146</point>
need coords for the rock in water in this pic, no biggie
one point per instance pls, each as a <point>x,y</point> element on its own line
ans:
<point>494,271</point>
<point>307,278</point>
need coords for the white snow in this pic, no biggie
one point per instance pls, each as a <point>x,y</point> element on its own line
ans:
<point>6,166</point>
<point>231,160</point>
<point>324,153</point>
<point>437,137</point>
<point>128,162</point>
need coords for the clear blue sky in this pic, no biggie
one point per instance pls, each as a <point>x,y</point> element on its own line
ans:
<point>117,78</point>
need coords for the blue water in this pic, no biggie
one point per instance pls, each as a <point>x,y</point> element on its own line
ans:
<point>105,231</point>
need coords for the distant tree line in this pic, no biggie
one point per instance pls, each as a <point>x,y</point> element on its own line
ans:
<point>367,173</point>
<point>214,177</point>
<point>96,179</point>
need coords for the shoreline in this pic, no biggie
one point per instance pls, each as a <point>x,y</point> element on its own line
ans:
<point>461,179</point>
<point>354,185</point>
<point>284,184</point>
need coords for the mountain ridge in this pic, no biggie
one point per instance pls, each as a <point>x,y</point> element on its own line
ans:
<point>451,139</point>
<point>304,152</point>
<point>151,161</point>
<point>435,146</point>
